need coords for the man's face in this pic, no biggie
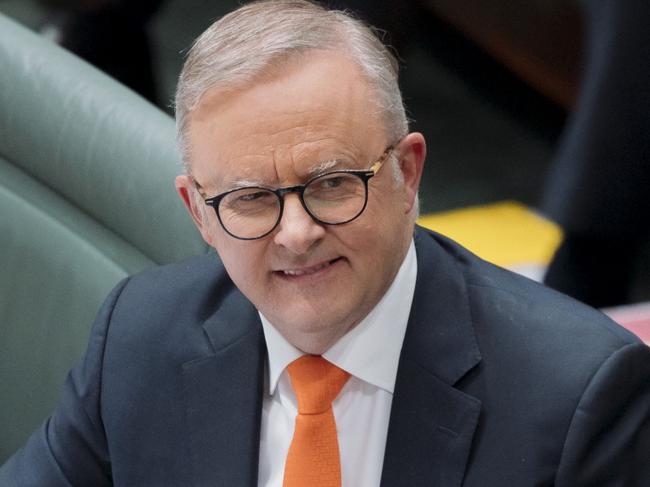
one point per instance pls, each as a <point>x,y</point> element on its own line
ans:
<point>313,282</point>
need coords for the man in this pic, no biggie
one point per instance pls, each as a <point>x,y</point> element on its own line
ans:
<point>446,370</point>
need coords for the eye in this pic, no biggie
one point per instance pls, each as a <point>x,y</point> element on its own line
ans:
<point>332,182</point>
<point>250,197</point>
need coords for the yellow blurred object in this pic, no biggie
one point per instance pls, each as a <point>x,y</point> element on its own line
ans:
<point>507,233</point>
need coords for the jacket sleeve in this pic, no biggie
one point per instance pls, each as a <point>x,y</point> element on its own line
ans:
<point>608,442</point>
<point>70,448</point>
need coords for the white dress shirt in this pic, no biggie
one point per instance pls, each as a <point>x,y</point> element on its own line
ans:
<point>370,353</point>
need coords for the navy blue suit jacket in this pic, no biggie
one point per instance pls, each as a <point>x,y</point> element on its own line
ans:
<point>501,382</point>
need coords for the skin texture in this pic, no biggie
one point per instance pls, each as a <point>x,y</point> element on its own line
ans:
<point>275,132</point>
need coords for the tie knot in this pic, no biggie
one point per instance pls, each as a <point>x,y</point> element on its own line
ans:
<point>316,383</point>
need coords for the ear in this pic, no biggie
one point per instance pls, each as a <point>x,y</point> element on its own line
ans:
<point>185,188</point>
<point>412,153</point>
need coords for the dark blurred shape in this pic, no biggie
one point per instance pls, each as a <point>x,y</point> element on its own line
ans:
<point>538,40</point>
<point>599,185</point>
<point>111,34</point>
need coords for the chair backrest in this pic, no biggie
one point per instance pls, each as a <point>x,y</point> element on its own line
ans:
<point>86,198</point>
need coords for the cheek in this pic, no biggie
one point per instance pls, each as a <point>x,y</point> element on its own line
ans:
<point>356,237</point>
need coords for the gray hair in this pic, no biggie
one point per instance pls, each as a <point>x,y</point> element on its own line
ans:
<point>239,47</point>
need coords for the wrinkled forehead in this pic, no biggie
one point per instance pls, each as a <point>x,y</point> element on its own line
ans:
<point>309,111</point>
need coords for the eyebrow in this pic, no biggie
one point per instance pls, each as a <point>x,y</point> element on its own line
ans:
<point>324,166</point>
<point>317,170</point>
<point>236,184</point>
<point>245,183</point>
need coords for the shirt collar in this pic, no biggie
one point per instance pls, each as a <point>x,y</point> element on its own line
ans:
<point>370,351</point>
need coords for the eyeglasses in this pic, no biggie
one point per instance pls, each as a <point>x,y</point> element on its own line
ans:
<point>332,198</point>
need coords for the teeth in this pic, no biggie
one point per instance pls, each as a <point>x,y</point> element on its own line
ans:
<point>303,272</point>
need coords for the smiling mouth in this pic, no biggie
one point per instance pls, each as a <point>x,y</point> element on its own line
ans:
<point>308,270</point>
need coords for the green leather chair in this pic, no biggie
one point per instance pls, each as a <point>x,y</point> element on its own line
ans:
<point>86,199</point>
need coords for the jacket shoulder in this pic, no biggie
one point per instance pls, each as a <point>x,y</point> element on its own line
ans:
<point>171,301</point>
<point>498,295</point>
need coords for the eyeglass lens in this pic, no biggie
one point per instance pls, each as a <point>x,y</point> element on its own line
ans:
<point>332,198</point>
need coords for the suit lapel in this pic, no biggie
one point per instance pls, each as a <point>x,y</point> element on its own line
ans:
<point>223,393</point>
<point>432,423</point>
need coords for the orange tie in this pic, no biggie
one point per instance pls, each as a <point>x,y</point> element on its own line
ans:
<point>313,459</point>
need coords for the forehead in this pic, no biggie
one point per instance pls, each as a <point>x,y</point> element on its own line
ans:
<point>316,108</point>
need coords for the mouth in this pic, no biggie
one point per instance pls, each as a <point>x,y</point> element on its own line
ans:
<point>308,271</point>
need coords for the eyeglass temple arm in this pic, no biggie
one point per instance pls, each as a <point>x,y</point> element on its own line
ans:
<point>377,165</point>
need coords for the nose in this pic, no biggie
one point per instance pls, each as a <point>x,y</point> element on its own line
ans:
<point>297,230</point>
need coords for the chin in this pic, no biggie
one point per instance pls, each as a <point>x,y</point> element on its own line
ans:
<point>309,333</point>
<point>314,343</point>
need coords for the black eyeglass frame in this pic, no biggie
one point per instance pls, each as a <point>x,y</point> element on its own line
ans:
<point>363,174</point>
